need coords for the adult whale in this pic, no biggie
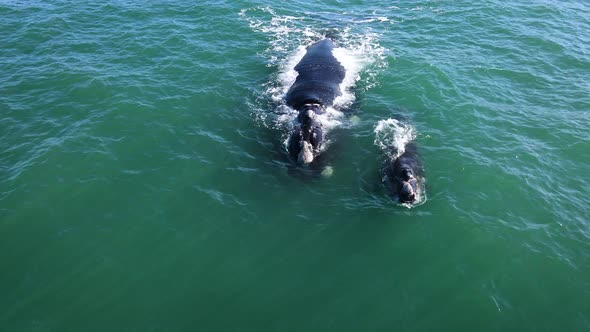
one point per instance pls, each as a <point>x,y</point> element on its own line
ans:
<point>315,88</point>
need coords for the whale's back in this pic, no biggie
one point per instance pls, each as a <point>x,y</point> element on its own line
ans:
<point>319,77</point>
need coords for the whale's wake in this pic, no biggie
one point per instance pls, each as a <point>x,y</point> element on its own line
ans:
<point>289,36</point>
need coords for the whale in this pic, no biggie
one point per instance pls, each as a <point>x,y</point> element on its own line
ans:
<point>405,175</point>
<point>319,75</point>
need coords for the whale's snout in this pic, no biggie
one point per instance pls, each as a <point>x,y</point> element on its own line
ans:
<point>407,193</point>
<point>306,154</point>
<point>407,185</point>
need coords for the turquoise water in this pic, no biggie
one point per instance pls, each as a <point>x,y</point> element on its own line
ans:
<point>144,185</point>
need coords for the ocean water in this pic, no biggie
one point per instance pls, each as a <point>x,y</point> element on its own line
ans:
<point>144,184</point>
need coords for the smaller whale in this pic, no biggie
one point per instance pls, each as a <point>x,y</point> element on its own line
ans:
<point>405,175</point>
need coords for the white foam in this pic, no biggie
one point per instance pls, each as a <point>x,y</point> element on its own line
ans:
<point>352,65</point>
<point>392,136</point>
<point>374,19</point>
<point>287,74</point>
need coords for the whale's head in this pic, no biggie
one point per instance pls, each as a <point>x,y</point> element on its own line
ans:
<point>407,185</point>
<point>305,142</point>
<point>405,174</point>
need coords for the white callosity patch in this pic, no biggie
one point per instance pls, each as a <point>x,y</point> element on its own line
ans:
<point>306,153</point>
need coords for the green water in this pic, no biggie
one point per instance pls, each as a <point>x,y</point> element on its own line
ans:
<point>144,185</point>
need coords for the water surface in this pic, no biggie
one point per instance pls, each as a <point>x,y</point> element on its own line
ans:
<point>144,185</point>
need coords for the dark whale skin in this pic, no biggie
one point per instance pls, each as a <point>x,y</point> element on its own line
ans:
<point>319,77</point>
<point>397,171</point>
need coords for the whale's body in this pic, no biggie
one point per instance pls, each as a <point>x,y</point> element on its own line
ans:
<point>319,75</point>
